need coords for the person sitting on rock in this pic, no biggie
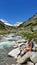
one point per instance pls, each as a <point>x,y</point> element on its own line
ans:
<point>27,51</point>
<point>30,47</point>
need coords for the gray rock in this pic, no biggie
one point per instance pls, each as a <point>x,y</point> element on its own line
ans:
<point>30,63</point>
<point>34,57</point>
<point>36,64</point>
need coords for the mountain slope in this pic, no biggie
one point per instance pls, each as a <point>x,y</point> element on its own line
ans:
<point>29,28</point>
<point>2,25</point>
<point>29,25</point>
<point>6,28</point>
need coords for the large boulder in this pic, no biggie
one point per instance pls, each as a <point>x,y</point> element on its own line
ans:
<point>34,57</point>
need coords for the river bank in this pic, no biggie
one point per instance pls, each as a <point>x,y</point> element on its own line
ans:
<point>6,45</point>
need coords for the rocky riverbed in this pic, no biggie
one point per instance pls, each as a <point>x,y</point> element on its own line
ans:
<point>6,45</point>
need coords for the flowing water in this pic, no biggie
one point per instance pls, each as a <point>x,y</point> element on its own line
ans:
<point>6,45</point>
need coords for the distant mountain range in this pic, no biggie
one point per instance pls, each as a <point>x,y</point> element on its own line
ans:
<point>28,26</point>
<point>17,24</point>
<point>6,23</point>
<point>5,27</point>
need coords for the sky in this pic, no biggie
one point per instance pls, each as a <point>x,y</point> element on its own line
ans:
<point>17,10</point>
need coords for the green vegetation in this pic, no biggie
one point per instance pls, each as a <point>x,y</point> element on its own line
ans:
<point>29,24</point>
<point>30,35</point>
<point>28,29</point>
<point>2,26</point>
<point>6,29</point>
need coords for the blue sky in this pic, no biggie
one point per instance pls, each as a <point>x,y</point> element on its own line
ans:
<point>17,10</point>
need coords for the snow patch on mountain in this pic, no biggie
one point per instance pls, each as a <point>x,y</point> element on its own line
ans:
<point>5,22</point>
<point>17,23</point>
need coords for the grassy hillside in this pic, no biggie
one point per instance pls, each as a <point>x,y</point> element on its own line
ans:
<point>30,25</point>
<point>2,25</point>
<point>4,29</point>
<point>29,28</point>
